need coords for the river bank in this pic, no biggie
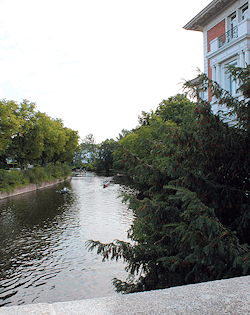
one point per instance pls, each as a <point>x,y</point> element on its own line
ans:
<point>32,187</point>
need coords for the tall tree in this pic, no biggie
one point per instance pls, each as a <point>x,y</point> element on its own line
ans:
<point>26,144</point>
<point>49,139</point>
<point>105,155</point>
<point>54,138</point>
<point>193,215</point>
<point>70,146</point>
<point>9,123</point>
<point>177,109</point>
<point>9,126</point>
<point>88,148</point>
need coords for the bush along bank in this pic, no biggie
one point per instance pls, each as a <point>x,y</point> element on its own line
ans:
<point>192,213</point>
<point>13,179</point>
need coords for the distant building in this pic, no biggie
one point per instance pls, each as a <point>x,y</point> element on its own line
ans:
<point>226,31</point>
<point>86,157</point>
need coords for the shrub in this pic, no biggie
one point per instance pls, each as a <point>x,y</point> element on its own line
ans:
<point>12,179</point>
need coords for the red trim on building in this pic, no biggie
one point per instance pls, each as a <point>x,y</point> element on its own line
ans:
<point>216,31</point>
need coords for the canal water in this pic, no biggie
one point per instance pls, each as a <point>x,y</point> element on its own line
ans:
<point>43,257</point>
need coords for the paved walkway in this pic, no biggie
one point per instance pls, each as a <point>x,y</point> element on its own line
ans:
<point>230,296</point>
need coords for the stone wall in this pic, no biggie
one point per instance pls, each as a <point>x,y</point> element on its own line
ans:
<point>229,296</point>
<point>31,187</point>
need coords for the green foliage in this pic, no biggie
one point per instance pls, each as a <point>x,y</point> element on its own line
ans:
<point>86,152</point>
<point>177,109</point>
<point>105,155</point>
<point>51,171</point>
<point>12,179</point>
<point>138,141</point>
<point>148,141</point>
<point>38,174</point>
<point>26,144</point>
<point>90,167</point>
<point>9,124</point>
<point>59,142</point>
<point>28,136</point>
<point>193,208</point>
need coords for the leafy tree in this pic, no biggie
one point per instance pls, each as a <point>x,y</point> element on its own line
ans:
<point>88,148</point>
<point>49,137</point>
<point>193,209</point>
<point>59,139</point>
<point>9,123</point>
<point>89,142</point>
<point>105,155</point>
<point>26,144</point>
<point>177,109</point>
<point>123,134</point>
<point>142,140</point>
<point>59,142</point>
<point>28,136</point>
<point>145,117</point>
<point>138,141</point>
<point>70,146</point>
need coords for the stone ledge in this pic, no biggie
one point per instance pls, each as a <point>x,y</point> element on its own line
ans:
<point>231,296</point>
<point>32,187</point>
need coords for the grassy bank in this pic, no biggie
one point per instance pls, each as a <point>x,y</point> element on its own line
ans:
<point>9,180</point>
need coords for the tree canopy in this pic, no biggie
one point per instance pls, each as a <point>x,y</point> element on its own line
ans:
<point>88,148</point>
<point>191,171</point>
<point>29,136</point>
<point>105,155</point>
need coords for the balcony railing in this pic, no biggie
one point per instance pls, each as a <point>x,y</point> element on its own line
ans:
<point>228,36</point>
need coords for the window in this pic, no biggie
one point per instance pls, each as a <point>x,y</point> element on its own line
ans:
<point>232,30</point>
<point>232,20</point>
<point>244,12</point>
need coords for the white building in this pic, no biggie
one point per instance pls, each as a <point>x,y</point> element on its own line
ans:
<point>226,31</point>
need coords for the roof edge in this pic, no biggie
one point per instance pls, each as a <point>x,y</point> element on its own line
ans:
<point>198,22</point>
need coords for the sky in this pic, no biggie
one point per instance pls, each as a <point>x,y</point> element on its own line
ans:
<point>97,64</point>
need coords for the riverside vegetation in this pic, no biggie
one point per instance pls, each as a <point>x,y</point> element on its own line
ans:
<point>17,178</point>
<point>31,137</point>
<point>190,168</point>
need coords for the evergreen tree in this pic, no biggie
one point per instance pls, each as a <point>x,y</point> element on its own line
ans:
<point>193,209</point>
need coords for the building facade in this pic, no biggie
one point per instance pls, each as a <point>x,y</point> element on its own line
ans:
<point>226,31</point>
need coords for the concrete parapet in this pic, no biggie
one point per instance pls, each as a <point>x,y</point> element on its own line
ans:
<point>231,296</point>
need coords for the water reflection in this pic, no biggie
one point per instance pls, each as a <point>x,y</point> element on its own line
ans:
<point>42,252</point>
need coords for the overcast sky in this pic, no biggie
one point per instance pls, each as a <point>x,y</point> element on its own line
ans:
<point>97,64</point>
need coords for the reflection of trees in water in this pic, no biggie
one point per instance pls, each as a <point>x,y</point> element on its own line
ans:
<point>43,236</point>
<point>29,223</point>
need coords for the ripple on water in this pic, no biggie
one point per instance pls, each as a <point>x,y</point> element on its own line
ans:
<point>43,257</point>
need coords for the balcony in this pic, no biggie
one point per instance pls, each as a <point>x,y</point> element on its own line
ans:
<point>238,32</point>
<point>228,36</point>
